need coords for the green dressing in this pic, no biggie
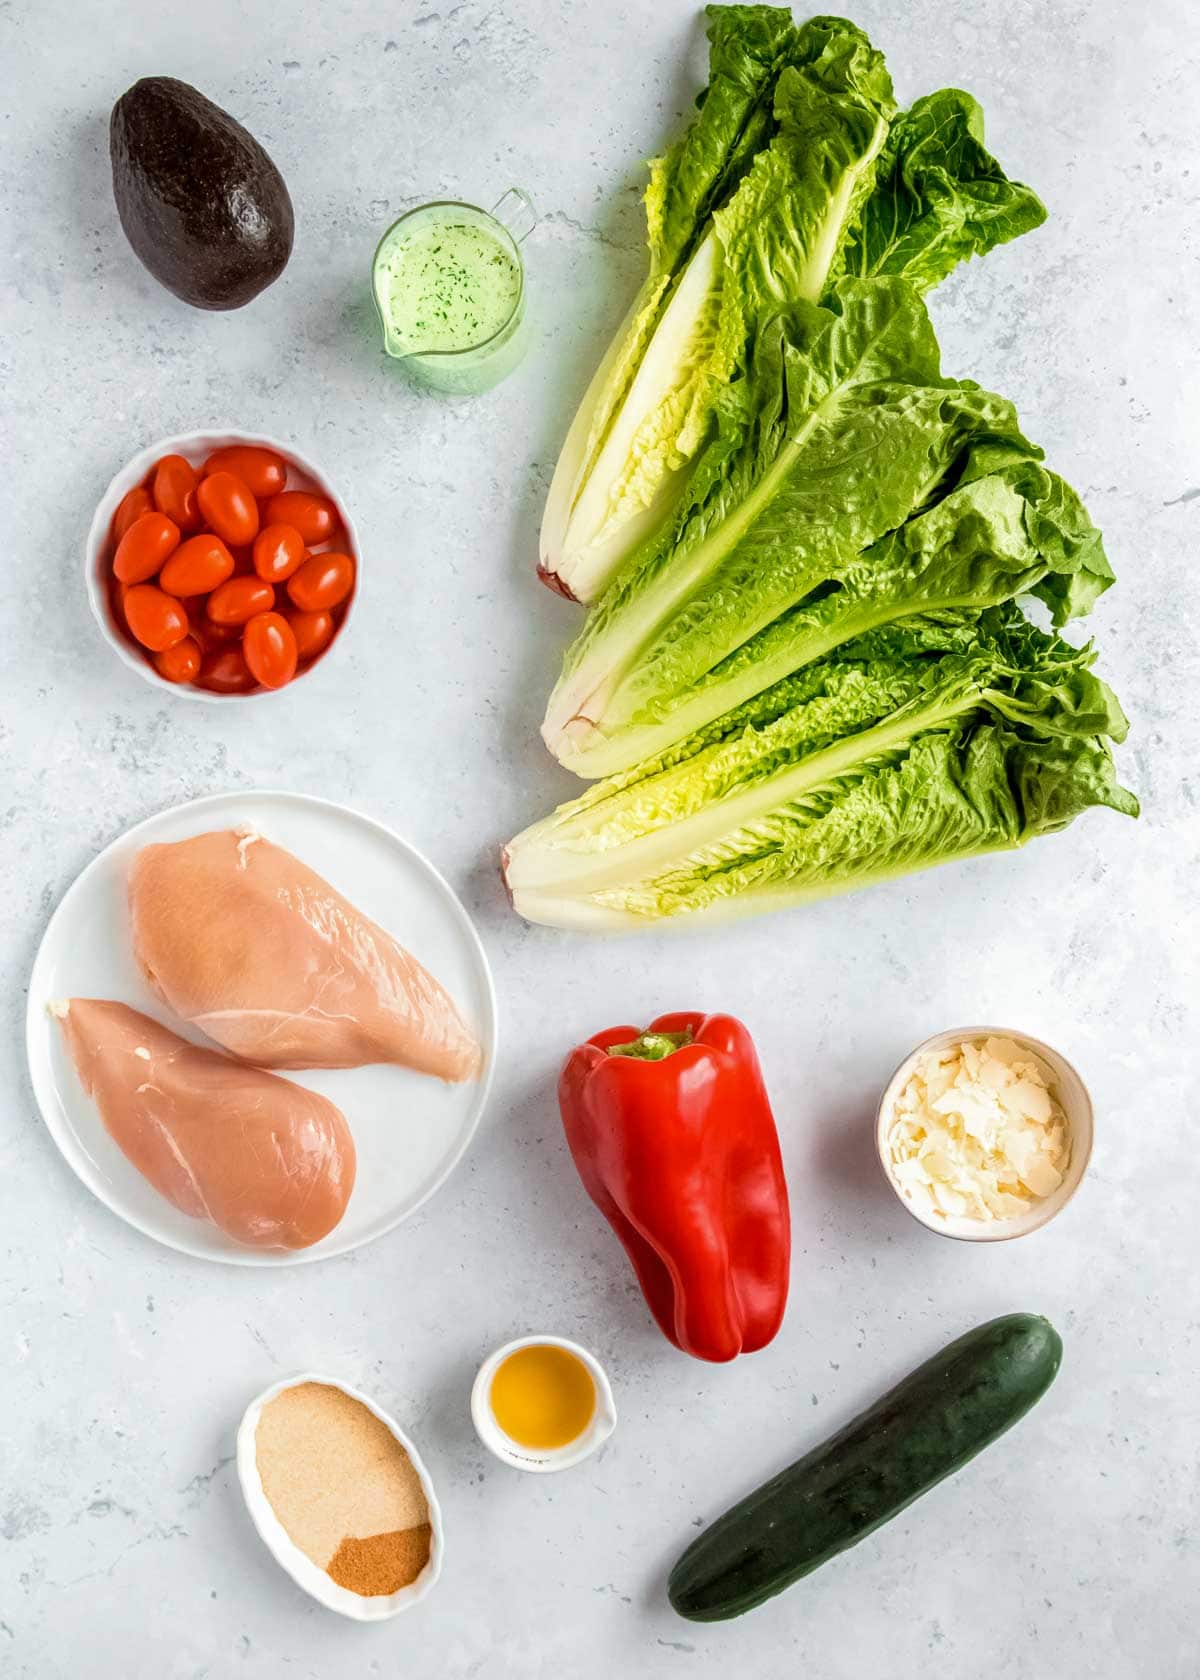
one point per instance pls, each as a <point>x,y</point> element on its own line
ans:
<point>447,286</point>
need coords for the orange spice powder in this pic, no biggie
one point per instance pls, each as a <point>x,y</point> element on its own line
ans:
<point>383,1563</point>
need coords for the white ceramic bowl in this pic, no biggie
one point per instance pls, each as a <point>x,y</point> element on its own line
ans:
<point>298,1565</point>
<point>303,474</point>
<point>604,1418</point>
<point>1065,1084</point>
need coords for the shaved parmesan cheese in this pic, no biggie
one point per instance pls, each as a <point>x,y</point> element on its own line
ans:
<point>977,1132</point>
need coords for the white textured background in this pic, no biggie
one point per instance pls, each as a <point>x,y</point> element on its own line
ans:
<point>1072,1549</point>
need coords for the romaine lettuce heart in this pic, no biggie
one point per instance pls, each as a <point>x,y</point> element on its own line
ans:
<point>880,760</point>
<point>774,243</point>
<point>841,430</point>
<point>788,177</point>
<point>1008,527</point>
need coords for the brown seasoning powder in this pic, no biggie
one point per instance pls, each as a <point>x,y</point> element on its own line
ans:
<point>383,1563</point>
<point>343,1488</point>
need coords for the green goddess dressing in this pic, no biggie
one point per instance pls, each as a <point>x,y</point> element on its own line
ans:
<point>450,291</point>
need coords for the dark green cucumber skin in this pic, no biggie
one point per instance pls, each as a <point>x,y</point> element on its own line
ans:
<point>921,1431</point>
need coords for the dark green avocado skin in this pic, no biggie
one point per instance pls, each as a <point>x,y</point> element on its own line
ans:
<point>200,201</point>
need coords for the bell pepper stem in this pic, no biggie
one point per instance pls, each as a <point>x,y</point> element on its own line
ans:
<point>651,1046</point>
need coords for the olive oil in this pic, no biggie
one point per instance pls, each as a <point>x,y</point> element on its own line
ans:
<point>543,1397</point>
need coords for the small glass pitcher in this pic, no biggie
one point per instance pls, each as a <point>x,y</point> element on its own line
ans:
<point>448,282</point>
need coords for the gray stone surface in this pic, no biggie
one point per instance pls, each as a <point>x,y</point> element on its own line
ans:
<point>1072,1550</point>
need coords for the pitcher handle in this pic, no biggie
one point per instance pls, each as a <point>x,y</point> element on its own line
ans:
<point>515,211</point>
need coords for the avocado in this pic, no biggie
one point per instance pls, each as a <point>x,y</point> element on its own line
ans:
<point>200,201</point>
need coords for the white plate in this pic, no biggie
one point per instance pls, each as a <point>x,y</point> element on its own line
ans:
<point>409,1130</point>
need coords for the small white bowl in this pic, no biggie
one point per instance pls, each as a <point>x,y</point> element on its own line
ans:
<point>1065,1084</point>
<point>303,474</point>
<point>284,1549</point>
<point>604,1418</point>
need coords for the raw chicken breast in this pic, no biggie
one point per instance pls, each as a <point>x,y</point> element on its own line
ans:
<point>269,1163</point>
<point>245,942</point>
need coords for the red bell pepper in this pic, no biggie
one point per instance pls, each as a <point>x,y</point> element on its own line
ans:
<point>674,1139</point>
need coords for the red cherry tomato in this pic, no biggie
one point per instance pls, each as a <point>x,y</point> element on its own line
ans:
<point>323,581</point>
<point>225,672</point>
<point>313,632</point>
<point>144,547</point>
<point>278,552</point>
<point>315,517</point>
<point>237,601</point>
<point>264,472</point>
<point>133,504</point>
<point>175,491</point>
<point>229,508</point>
<point>116,604</point>
<point>156,620</point>
<point>270,649</point>
<point>204,631</point>
<point>196,567</point>
<point>181,663</point>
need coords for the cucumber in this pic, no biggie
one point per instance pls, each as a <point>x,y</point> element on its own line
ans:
<point>925,1428</point>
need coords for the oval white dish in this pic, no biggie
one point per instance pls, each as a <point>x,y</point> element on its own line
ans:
<point>410,1131</point>
<point>604,1418</point>
<point>283,1548</point>
<point>303,474</point>
<point>1065,1084</point>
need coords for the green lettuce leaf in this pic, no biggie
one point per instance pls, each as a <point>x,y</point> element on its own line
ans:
<point>1008,527</point>
<point>906,749</point>
<point>773,241</point>
<point>841,431</point>
<point>789,177</point>
<point>939,197</point>
<point>748,47</point>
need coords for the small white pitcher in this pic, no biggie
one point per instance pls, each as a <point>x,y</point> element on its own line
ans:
<point>604,1418</point>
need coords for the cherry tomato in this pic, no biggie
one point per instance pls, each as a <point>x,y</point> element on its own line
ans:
<point>270,649</point>
<point>133,504</point>
<point>323,581</point>
<point>181,663</point>
<point>278,552</point>
<point>315,517</point>
<point>313,632</point>
<point>156,620</point>
<point>229,508</point>
<point>175,491</point>
<point>144,547</point>
<point>197,566</point>
<point>204,631</point>
<point>225,672</point>
<point>239,599</point>
<point>264,472</point>
<point>116,603</point>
